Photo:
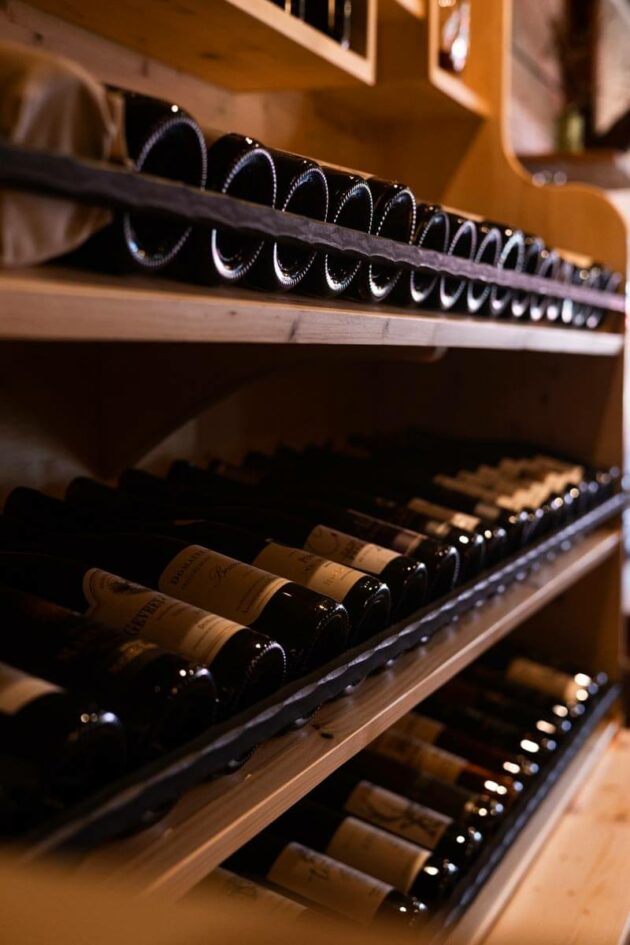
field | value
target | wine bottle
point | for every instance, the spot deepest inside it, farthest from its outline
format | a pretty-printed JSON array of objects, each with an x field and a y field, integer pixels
[
  {"x": 608, "y": 282},
  {"x": 532, "y": 255},
  {"x": 74, "y": 749},
  {"x": 399, "y": 815},
  {"x": 302, "y": 189},
  {"x": 553, "y": 682},
  {"x": 161, "y": 699},
  {"x": 487, "y": 252},
  {"x": 236, "y": 655},
  {"x": 539, "y": 304},
  {"x": 512, "y": 257},
  {"x": 463, "y": 244},
  {"x": 560, "y": 312},
  {"x": 332, "y": 17},
  {"x": 459, "y": 691},
  {"x": 481, "y": 811},
  {"x": 350, "y": 205},
  {"x": 394, "y": 218},
  {"x": 408, "y": 867},
  {"x": 420, "y": 727},
  {"x": 334, "y": 510},
  {"x": 430, "y": 759},
  {"x": 260, "y": 898},
  {"x": 495, "y": 538},
  {"x": 482, "y": 726},
  {"x": 325, "y": 881},
  {"x": 432, "y": 232},
  {"x": 243, "y": 168},
  {"x": 310, "y": 627},
  {"x": 494, "y": 679},
  {"x": 486, "y": 504}
]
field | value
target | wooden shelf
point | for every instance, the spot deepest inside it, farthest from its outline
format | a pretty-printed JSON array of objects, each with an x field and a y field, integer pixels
[
  {"x": 214, "y": 819},
  {"x": 55, "y": 304},
  {"x": 519, "y": 864},
  {"x": 243, "y": 45}
]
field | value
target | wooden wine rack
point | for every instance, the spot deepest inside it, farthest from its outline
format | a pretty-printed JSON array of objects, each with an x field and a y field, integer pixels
[{"x": 98, "y": 373}]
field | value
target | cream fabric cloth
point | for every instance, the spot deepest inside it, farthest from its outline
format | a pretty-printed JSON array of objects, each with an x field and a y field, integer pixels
[{"x": 49, "y": 102}]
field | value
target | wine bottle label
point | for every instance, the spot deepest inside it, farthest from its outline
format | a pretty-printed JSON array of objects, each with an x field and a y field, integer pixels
[
  {"x": 126, "y": 653},
  {"x": 546, "y": 679},
  {"x": 489, "y": 512},
  {"x": 402, "y": 540},
  {"x": 398, "y": 814},
  {"x": 392, "y": 859},
  {"x": 238, "y": 888},
  {"x": 438, "y": 530},
  {"x": 576, "y": 472},
  {"x": 347, "y": 550},
  {"x": 329, "y": 883},
  {"x": 156, "y": 618},
  {"x": 516, "y": 500},
  {"x": 538, "y": 491},
  {"x": 326, "y": 577},
  {"x": 17, "y": 689},
  {"x": 419, "y": 727},
  {"x": 459, "y": 519},
  {"x": 220, "y": 584},
  {"x": 421, "y": 756}
]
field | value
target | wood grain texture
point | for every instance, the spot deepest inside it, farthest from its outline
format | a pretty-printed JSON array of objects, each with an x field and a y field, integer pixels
[
  {"x": 214, "y": 819},
  {"x": 66, "y": 305}
]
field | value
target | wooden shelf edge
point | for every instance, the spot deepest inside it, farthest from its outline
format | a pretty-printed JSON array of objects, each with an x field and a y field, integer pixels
[
  {"x": 59, "y": 305},
  {"x": 498, "y": 889},
  {"x": 455, "y": 88},
  {"x": 214, "y": 819}
]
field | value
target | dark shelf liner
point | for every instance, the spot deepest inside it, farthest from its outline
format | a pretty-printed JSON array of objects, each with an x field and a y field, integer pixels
[
  {"x": 101, "y": 183},
  {"x": 120, "y": 805}
]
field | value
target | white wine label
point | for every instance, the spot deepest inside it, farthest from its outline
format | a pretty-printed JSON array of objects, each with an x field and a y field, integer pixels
[
  {"x": 555, "y": 683},
  {"x": 425, "y": 758},
  {"x": 576, "y": 472},
  {"x": 378, "y": 853},
  {"x": 220, "y": 584},
  {"x": 401, "y": 816},
  {"x": 348, "y": 550},
  {"x": 458, "y": 519},
  {"x": 154, "y": 617},
  {"x": 420, "y": 727},
  {"x": 246, "y": 892},
  {"x": 496, "y": 492},
  {"x": 321, "y": 879},
  {"x": 17, "y": 689},
  {"x": 326, "y": 577}
]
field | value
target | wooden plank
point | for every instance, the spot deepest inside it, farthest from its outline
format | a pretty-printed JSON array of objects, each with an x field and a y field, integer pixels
[
  {"x": 214, "y": 819},
  {"x": 51, "y": 304},
  {"x": 576, "y": 893},
  {"x": 538, "y": 835},
  {"x": 243, "y": 45}
]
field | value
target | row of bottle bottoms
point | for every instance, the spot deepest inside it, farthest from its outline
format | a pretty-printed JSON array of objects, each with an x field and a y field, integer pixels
[
  {"x": 164, "y": 605},
  {"x": 332, "y": 17},
  {"x": 390, "y": 834},
  {"x": 164, "y": 140}
]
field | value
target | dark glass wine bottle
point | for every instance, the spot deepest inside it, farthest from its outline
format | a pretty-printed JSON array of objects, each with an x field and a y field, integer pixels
[
  {"x": 241, "y": 167},
  {"x": 463, "y": 244},
  {"x": 72, "y": 748},
  {"x": 399, "y": 815},
  {"x": 566, "y": 687},
  {"x": 497, "y": 681},
  {"x": 511, "y": 258},
  {"x": 408, "y": 867},
  {"x": 395, "y": 219},
  {"x": 487, "y": 252},
  {"x": 302, "y": 189},
  {"x": 467, "y": 808},
  {"x": 256, "y": 897},
  {"x": 532, "y": 258},
  {"x": 332, "y": 17},
  {"x": 320, "y": 879},
  {"x": 310, "y": 627},
  {"x": 162, "y": 700},
  {"x": 236, "y": 654},
  {"x": 350, "y": 205},
  {"x": 548, "y": 268},
  {"x": 432, "y": 232}
]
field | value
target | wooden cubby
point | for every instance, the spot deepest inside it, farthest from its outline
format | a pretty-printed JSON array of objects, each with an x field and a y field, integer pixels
[{"x": 98, "y": 373}]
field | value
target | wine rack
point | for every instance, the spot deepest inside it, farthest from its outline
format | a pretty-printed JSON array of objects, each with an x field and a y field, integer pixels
[{"x": 100, "y": 372}]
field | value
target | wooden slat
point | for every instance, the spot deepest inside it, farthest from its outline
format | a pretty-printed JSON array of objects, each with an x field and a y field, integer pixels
[
  {"x": 214, "y": 819},
  {"x": 52, "y": 304},
  {"x": 240, "y": 44},
  {"x": 576, "y": 893}
]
